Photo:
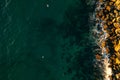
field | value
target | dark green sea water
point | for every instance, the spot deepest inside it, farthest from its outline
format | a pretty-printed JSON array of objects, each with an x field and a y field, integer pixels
[{"x": 45, "y": 43}]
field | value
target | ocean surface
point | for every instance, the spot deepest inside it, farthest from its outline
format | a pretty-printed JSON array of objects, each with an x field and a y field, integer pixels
[{"x": 45, "y": 40}]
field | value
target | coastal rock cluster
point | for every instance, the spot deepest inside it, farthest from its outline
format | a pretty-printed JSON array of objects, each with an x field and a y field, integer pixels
[{"x": 107, "y": 15}]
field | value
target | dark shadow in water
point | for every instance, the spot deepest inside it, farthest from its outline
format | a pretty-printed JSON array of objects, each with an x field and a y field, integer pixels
[{"x": 75, "y": 29}]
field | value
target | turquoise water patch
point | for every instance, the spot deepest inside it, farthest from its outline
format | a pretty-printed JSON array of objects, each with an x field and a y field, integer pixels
[{"x": 44, "y": 40}]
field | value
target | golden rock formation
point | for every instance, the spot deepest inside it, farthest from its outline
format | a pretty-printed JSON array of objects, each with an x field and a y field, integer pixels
[{"x": 110, "y": 15}]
